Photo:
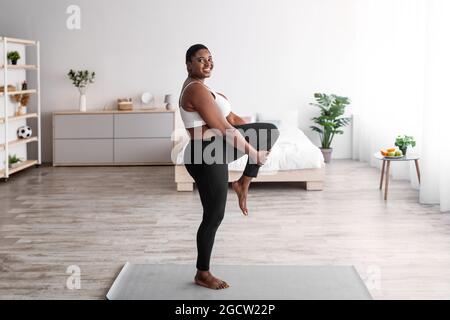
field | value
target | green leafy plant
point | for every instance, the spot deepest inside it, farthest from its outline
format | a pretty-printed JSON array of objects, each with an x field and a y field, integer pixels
[
  {"x": 81, "y": 78},
  {"x": 402, "y": 142},
  {"x": 13, "y": 159},
  {"x": 331, "y": 120},
  {"x": 13, "y": 55}
]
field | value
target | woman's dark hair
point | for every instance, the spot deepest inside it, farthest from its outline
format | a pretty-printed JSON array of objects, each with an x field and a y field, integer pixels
[{"x": 193, "y": 50}]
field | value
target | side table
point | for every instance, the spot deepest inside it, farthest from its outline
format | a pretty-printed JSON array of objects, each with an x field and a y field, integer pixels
[{"x": 387, "y": 164}]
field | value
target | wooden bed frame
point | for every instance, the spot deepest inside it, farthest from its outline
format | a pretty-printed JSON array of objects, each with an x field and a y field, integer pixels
[{"x": 314, "y": 178}]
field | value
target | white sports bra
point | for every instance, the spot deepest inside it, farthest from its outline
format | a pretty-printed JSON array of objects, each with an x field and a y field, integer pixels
[{"x": 193, "y": 119}]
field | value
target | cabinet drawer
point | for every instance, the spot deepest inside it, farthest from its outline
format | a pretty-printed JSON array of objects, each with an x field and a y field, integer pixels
[
  {"x": 84, "y": 151},
  {"x": 83, "y": 126},
  {"x": 142, "y": 150},
  {"x": 153, "y": 125}
]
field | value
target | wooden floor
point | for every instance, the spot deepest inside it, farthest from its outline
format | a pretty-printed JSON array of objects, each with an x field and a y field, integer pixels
[{"x": 97, "y": 218}]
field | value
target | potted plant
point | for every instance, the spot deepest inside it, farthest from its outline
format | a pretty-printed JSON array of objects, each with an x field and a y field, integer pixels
[
  {"x": 402, "y": 142},
  {"x": 81, "y": 79},
  {"x": 13, "y": 56},
  {"x": 14, "y": 161},
  {"x": 330, "y": 121}
]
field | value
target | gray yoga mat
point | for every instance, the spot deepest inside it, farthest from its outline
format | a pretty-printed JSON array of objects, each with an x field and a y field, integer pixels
[{"x": 247, "y": 282}]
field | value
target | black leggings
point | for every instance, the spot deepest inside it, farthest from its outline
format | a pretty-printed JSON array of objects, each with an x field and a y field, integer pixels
[{"x": 211, "y": 178}]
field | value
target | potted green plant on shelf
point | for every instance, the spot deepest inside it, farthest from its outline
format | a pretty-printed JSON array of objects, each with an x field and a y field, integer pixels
[
  {"x": 81, "y": 79},
  {"x": 14, "y": 161},
  {"x": 330, "y": 121},
  {"x": 402, "y": 142},
  {"x": 13, "y": 56}
]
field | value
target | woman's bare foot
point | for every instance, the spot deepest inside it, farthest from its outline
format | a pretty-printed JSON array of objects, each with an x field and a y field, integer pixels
[
  {"x": 206, "y": 279},
  {"x": 242, "y": 196},
  {"x": 241, "y": 189}
]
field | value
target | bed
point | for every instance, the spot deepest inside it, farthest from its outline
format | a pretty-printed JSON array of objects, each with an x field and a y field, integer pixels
[{"x": 293, "y": 158}]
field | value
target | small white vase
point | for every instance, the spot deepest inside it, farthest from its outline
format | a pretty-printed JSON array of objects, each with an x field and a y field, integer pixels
[
  {"x": 82, "y": 99},
  {"x": 21, "y": 110},
  {"x": 168, "y": 100}
]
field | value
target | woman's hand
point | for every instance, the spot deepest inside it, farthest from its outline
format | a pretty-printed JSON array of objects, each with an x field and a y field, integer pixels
[
  {"x": 260, "y": 157},
  {"x": 235, "y": 120}
]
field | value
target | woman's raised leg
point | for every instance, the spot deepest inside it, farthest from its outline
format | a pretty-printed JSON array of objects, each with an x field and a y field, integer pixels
[{"x": 262, "y": 136}]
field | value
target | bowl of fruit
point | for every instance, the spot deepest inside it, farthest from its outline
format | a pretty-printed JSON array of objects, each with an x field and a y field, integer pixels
[{"x": 392, "y": 153}]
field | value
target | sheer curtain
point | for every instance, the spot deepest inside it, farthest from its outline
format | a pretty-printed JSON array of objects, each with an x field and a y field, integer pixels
[
  {"x": 402, "y": 79},
  {"x": 435, "y": 186}
]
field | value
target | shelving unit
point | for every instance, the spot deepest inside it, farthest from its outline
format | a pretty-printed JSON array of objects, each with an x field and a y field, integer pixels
[
  {"x": 25, "y": 116},
  {"x": 17, "y": 142},
  {"x": 10, "y": 93},
  {"x": 22, "y": 66},
  {"x": 10, "y": 122},
  {"x": 25, "y": 164}
]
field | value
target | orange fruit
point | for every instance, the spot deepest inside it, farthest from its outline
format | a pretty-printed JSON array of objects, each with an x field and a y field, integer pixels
[
  {"x": 383, "y": 152},
  {"x": 391, "y": 149}
]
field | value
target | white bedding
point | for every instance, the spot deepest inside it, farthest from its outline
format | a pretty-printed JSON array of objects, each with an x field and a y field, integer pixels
[{"x": 293, "y": 150}]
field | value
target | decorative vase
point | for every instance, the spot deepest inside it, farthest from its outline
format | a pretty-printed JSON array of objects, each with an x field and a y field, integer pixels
[
  {"x": 168, "y": 99},
  {"x": 14, "y": 62},
  {"x": 326, "y": 154},
  {"x": 404, "y": 150},
  {"x": 82, "y": 99},
  {"x": 21, "y": 110}
]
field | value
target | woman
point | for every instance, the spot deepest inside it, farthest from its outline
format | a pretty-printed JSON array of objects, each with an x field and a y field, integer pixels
[{"x": 218, "y": 136}]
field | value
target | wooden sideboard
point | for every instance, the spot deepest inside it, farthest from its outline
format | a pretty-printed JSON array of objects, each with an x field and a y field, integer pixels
[{"x": 139, "y": 137}]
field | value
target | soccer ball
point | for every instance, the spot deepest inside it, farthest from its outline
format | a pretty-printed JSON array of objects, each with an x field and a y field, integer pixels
[{"x": 24, "y": 132}]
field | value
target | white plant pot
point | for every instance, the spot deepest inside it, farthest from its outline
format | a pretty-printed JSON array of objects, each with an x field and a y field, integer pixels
[
  {"x": 326, "y": 152},
  {"x": 83, "y": 103},
  {"x": 15, "y": 165},
  {"x": 82, "y": 99}
]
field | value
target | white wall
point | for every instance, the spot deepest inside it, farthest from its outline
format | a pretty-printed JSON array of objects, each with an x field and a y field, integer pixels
[{"x": 271, "y": 54}]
